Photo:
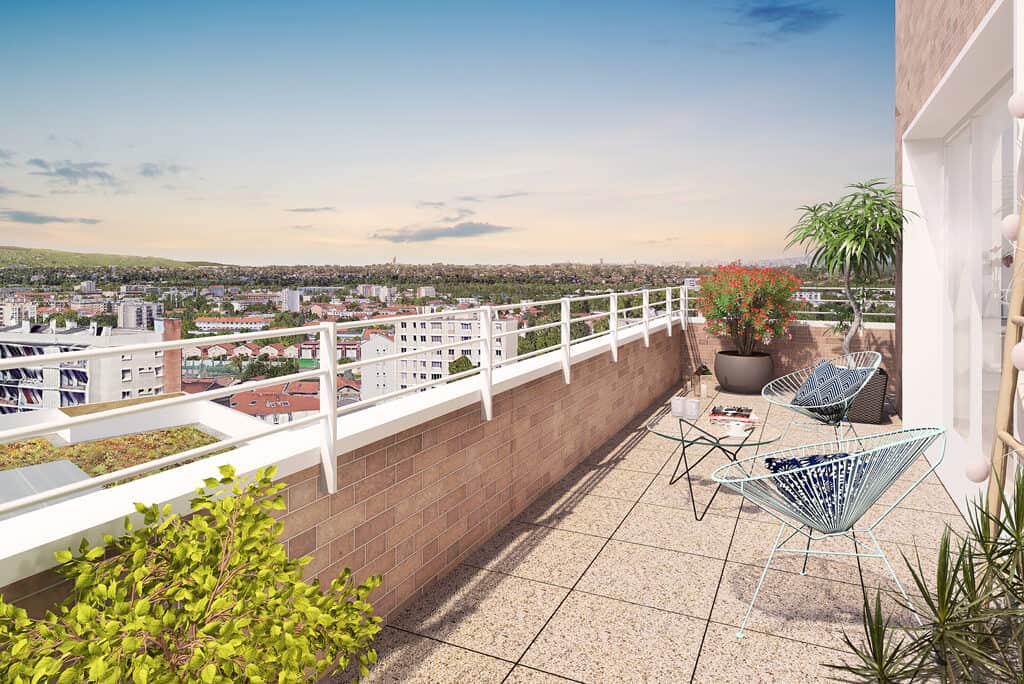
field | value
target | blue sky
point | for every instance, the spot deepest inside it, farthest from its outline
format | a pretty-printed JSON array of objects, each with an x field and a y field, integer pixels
[{"x": 449, "y": 131}]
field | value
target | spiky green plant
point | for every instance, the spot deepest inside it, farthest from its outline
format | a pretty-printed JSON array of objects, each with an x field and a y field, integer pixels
[
  {"x": 855, "y": 237},
  {"x": 972, "y": 609}
]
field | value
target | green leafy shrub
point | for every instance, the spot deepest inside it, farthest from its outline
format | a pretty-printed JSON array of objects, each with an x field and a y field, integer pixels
[
  {"x": 750, "y": 305},
  {"x": 973, "y": 611},
  {"x": 204, "y": 598}
]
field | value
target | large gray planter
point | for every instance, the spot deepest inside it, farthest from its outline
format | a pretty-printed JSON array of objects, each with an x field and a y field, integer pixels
[{"x": 743, "y": 374}]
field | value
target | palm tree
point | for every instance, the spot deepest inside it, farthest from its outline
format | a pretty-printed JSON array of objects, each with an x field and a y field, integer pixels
[{"x": 855, "y": 238}]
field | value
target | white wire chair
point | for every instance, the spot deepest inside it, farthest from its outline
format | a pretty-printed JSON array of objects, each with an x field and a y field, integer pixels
[
  {"x": 827, "y": 488},
  {"x": 832, "y": 411}
]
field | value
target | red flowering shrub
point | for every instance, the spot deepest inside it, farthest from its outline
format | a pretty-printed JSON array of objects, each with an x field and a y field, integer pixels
[{"x": 750, "y": 305}]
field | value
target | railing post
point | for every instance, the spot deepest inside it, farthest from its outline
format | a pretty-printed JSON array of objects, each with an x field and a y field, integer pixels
[
  {"x": 486, "y": 362},
  {"x": 684, "y": 303},
  {"x": 613, "y": 325},
  {"x": 668, "y": 310},
  {"x": 566, "y": 364},
  {"x": 645, "y": 310},
  {"x": 329, "y": 405}
]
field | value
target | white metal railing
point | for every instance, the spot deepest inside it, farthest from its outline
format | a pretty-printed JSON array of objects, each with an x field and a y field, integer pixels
[
  {"x": 618, "y": 319},
  {"x": 873, "y": 302}
]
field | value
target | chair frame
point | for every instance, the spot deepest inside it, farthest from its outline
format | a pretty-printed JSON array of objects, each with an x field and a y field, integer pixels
[
  {"x": 796, "y": 529},
  {"x": 782, "y": 391}
]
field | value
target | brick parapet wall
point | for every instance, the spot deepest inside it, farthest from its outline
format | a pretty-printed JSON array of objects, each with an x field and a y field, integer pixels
[
  {"x": 416, "y": 504},
  {"x": 412, "y": 506},
  {"x": 805, "y": 346}
]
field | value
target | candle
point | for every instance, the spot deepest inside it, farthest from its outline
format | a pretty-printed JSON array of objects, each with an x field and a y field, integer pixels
[
  {"x": 691, "y": 409},
  {"x": 678, "y": 409}
]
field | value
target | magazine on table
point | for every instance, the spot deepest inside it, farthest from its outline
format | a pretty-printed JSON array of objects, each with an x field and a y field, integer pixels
[{"x": 733, "y": 414}]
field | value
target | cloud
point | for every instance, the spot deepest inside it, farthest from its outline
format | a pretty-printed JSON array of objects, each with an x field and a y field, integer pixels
[
  {"x": 6, "y": 156},
  {"x": 305, "y": 226},
  {"x": 71, "y": 173},
  {"x": 780, "y": 20},
  {"x": 14, "y": 193},
  {"x": 311, "y": 210},
  {"x": 430, "y": 205},
  {"x": 158, "y": 169},
  {"x": 510, "y": 195},
  {"x": 460, "y": 214},
  {"x": 467, "y": 229},
  {"x": 468, "y": 198},
  {"x": 16, "y": 216}
]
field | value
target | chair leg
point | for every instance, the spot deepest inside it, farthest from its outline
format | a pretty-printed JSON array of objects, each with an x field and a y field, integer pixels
[
  {"x": 899, "y": 585},
  {"x": 807, "y": 553},
  {"x": 764, "y": 573}
]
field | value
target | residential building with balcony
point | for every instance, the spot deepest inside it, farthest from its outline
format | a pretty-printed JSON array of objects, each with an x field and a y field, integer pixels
[
  {"x": 57, "y": 385},
  {"x": 232, "y": 323}
]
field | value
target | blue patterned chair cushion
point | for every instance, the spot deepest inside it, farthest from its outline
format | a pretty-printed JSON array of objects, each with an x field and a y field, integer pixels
[
  {"x": 819, "y": 494},
  {"x": 830, "y": 386}
]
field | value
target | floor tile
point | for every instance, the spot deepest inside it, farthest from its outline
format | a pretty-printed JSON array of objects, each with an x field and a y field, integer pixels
[
  {"x": 481, "y": 610},
  {"x": 413, "y": 659},
  {"x": 724, "y": 659},
  {"x": 806, "y": 609},
  {"x": 753, "y": 540},
  {"x": 575, "y": 512},
  {"x": 675, "y": 529},
  {"x": 526, "y": 675},
  {"x": 595, "y": 639},
  {"x": 910, "y": 527},
  {"x": 605, "y": 481},
  {"x": 538, "y": 553},
  {"x": 677, "y": 495},
  {"x": 626, "y": 456},
  {"x": 658, "y": 578}
]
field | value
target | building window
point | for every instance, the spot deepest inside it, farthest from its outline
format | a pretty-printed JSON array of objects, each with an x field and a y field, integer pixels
[
  {"x": 451, "y": 352},
  {"x": 435, "y": 376},
  {"x": 403, "y": 325},
  {"x": 126, "y": 357},
  {"x": 126, "y": 394},
  {"x": 126, "y": 375},
  {"x": 435, "y": 364},
  {"x": 467, "y": 326}
]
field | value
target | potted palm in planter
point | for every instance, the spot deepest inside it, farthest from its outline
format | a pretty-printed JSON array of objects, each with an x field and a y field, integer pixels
[
  {"x": 751, "y": 306},
  {"x": 855, "y": 238}
]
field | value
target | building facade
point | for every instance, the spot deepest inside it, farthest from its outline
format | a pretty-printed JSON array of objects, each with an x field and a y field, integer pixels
[
  {"x": 110, "y": 378},
  {"x": 957, "y": 64},
  {"x": 137, "y": 314}
]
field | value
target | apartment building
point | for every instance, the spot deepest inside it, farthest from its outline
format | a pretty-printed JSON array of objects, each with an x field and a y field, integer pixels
[
  {"x": 233, "y": 323},
  {"x": 111, "y": 378},
  {"x": 460, "y": 331},
  {"x": 16, "y": 312},
  {"x": 137, "y": 314},
  {"x": 378, "y": 378},
  {"x": 290, "y": 300}
]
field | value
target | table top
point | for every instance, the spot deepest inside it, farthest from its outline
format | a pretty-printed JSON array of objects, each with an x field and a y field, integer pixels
[{"x": 703, "y": 431}]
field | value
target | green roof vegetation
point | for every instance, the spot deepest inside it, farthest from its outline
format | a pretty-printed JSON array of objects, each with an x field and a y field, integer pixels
[{"x": 105, "y": 455}]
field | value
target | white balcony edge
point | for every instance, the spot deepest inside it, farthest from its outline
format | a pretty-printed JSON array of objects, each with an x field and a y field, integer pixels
[{"x": 29, "y": 540}]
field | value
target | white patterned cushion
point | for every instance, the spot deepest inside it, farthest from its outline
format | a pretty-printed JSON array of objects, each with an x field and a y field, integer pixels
[{"x": 829, "y": 384}]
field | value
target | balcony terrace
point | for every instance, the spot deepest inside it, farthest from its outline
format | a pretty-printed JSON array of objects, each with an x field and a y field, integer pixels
[
  {"x": 521, "y": 516},
  {"x": 607, "y": 576}
]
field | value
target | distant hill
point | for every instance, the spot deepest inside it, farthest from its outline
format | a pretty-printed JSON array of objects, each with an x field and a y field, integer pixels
[{"x": 54, "y": 258}]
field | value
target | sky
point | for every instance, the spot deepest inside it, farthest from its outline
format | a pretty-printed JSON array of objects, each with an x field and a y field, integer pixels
[{"x": 459, "y": 132}]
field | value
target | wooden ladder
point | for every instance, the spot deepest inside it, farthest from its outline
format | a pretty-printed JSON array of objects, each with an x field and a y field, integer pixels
[{"x": 1004, "y": 437}]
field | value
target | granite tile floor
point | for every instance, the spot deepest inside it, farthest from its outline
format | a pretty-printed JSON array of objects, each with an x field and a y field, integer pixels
[{"x": 607, "y": 577}]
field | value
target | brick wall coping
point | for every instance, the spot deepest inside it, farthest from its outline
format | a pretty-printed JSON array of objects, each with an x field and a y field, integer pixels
[{"x": 29, "y": 540}]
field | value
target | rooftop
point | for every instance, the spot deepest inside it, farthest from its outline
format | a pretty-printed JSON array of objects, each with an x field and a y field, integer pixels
[{"x": 608, "y": 577}]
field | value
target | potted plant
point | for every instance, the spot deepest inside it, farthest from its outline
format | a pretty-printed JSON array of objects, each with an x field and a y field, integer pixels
[
  {"x": 855, "y": 238},
  {"x": 752, "y": 306}
]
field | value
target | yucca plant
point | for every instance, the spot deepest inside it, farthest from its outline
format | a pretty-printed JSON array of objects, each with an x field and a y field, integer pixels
[
  {"x": 855, "y": 237},
  {"x": 972, "y": 610}
]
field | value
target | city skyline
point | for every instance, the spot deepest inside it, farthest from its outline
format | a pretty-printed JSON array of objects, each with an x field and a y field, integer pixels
[{"x": 458, "y": 133}]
